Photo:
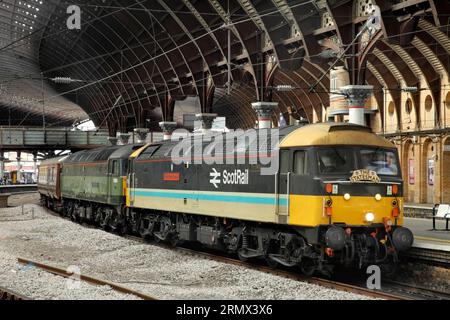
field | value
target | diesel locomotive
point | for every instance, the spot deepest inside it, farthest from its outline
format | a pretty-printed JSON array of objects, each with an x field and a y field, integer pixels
[{"x": 335, "y": 198}]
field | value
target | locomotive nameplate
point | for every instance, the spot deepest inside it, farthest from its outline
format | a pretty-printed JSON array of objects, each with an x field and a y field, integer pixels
[
  {"x": 172, "y": 176},
  {"x": 365, "y": 175}
]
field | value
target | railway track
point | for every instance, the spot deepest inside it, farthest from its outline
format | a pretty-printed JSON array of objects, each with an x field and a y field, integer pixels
[
  {"x": 279, "y": 272},
  {"x": 414, "y": 292},
  {"x": 438, "y": 258},
  {"x": 85, "y": 278},
  {"x": 391, "y": 290},
  {"x": 9, "y": 295}
]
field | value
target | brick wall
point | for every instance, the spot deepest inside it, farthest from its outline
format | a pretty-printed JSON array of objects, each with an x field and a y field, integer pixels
[{"x": 429, "y": 185}]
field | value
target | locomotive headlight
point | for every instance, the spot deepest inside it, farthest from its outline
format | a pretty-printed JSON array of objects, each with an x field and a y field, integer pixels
[
  {"x": 378, "y": 197},
  {"x": 347, "y": 196},
  {"x": 370, "y": 217}
]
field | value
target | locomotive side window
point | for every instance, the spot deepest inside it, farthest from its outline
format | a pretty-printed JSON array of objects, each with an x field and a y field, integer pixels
[
  {"x": 300, "y": 163},
  {"x": 284, "y": 161}
]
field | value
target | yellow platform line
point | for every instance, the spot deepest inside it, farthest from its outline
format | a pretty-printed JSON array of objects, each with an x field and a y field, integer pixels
[{"x": 431, "y": 239}]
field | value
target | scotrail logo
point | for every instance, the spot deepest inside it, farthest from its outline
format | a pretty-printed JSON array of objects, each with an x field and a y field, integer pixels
[
  {"x": 236, "y": 177},
  {"x": 215, "y": 178}
]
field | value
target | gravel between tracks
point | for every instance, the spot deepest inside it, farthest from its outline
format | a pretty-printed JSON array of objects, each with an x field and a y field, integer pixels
[{"x": 159, "y": 272}]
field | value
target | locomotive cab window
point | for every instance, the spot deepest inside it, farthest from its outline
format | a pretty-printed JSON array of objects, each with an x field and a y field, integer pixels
[
  {"x": 115, "y": 168},
  {"x": 284, "y": 161},
  {"x": 300, "y": 163},
  {"x": 383, "y": 162},
  {"x": 336, "y": 160}
]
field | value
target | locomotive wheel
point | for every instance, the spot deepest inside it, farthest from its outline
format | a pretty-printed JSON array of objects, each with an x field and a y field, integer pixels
[
  {"x": 73, "y": 216},
  {"x": 147, "y": 237},
  {"x": 174, "y": 241},
  {"x": 389, "y": 269},
  {"x": 104, "y": 223},
  {"x": 123, "y": 229},
  {"x": 242, "y": 257},
  {"x": 157, "y": 240},
  {"x": 114, "y": 222},
  {"x": 308, "y": 266},
  {"x": 271, "y": 263},
  {"x": 146, "y": 232}
]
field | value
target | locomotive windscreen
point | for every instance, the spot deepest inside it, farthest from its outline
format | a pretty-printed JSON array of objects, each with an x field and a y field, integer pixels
[{"x": 344, "y": 160}]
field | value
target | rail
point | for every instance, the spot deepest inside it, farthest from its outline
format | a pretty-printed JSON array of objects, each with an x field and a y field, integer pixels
[
  {"x": 429, "y": 256},
  {"x": 88, "y": 279},
  {"x": 8, "y": 295},
  {"x": 341, "y": 286}
]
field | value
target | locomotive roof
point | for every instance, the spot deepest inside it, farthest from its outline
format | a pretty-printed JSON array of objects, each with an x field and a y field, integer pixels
[
  {"x": 125, "y": 151},
  {"x": 52, "y": 161},
  {"x": 291, "y": 136},
  {"x": 162, "y": 149},
  {"x": 334, "y": 134},
  {"x": 101, "y": 154}
]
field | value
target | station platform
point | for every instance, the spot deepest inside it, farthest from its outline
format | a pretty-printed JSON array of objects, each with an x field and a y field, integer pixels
[{"x": 425, "y": 237}]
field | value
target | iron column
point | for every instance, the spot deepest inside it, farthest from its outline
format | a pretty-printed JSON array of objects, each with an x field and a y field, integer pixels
[{"x": 356, "y": 98}]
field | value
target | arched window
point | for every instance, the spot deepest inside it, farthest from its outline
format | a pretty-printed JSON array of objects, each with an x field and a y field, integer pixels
[
  {"x": 408, "y": 106},
  {"x": 447, "y": 101},
  {"x": 391, "y": 108},
  {"x": 428, "y": 103}
]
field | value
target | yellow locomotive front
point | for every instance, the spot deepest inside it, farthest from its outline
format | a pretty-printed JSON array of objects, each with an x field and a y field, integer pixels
[{"x": 346, "y": 182}]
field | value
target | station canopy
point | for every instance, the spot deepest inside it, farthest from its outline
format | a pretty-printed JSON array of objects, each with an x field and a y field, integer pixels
[{"x": 136, "y": 63}]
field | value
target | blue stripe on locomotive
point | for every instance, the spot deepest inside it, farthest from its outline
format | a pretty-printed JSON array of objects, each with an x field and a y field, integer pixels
[{"x": 211, "y": 197}]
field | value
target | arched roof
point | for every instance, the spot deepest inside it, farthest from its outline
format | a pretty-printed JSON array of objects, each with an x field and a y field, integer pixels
[{"x": 135, "y": 59}]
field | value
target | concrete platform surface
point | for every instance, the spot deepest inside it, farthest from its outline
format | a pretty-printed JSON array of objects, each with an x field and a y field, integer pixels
[{"x": 425, "y": 237}]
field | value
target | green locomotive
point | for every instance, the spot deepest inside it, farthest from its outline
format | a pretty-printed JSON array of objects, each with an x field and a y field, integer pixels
[{"x": 92, "y": 185}]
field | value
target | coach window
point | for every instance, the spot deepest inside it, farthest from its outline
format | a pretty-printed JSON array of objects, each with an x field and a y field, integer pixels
[
  {"x": 300, "y": 163},
  {"x": 284, "y": 161}
]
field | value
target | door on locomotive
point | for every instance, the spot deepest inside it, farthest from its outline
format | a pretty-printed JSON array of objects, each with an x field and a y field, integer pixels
[
  {"x": 294, "y": 177},
  {"x": 114, "y": 179},
  {"x": 130, "y": 182},
  {"x": 283, "y": 183}
]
